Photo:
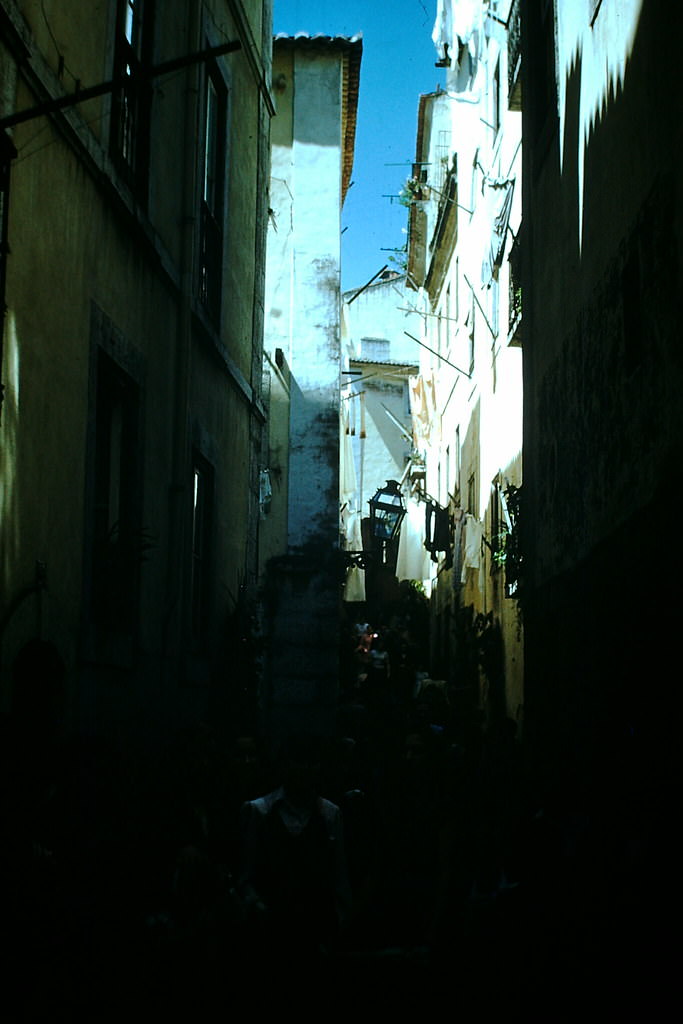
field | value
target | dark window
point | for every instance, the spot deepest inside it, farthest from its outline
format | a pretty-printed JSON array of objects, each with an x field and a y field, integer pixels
[
  {"x": 202, "y": 504},
  {"x": 132, "y": 97},
  {"x": 7, "y": 154},
  {"x": 495, "y": 114},
  {"x": 457, "y": 459},
  {"x": 494, "y": 306},
  {"x": 472, "y": 496},
  {"x": 213, "y": 192},
  {"x": 540, "y": 17},
  {"x": 118, "y": 543},
  {"x": 497, "y": 537},
  {"x": 515, "y": 291}
]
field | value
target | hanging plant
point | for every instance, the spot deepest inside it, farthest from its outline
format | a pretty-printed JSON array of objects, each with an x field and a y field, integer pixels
[{"x": 414, "y": 191}]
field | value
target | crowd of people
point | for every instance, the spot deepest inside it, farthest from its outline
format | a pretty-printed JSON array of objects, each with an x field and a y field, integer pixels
[{"x": 412, "y": 853}]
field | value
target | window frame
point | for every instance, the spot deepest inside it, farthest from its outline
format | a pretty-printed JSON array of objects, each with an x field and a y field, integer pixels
[
  {"x": 213, "y": 196},
  {"x": 131, "y": 101},
  {"x": 117, "y": 538},
  {"x": 201, "y": 545}
]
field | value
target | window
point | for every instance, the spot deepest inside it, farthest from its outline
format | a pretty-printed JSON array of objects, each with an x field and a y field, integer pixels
[
  {"x": 497, "y": 536},
  {"x": 118, "y": 542},
  {"x": 213, "y": 192},
  {"x": 472, "y": 502},
  {"x": 457, "y": 459},
  {"x": 493, "y": 306},
  {"x": 406, "y": 399},
  {"x": 495, "y": 106},
  {"x": 515, "y": 292},
  {"x": 543, "y": 77},
  {"x": 7, "y": 154},
  {"x": 132, "y": 97},
  {"x": 443, "y": 148},
  {"x": 494, "y": 298},
  {"x": 202, "y": 506}
]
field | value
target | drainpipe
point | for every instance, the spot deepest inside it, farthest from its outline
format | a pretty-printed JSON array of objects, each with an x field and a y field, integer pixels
[{"x": 178, "y": 498}]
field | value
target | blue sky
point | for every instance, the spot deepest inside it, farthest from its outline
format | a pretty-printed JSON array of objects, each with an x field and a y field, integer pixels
[{"x": 397, "y": 65}]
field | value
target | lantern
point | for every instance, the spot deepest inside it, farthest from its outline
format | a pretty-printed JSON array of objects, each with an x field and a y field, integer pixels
[{"x": 386, "y": 512}]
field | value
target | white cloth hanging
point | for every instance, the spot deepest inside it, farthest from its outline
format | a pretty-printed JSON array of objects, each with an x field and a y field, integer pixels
[
  {"x": 413, "y": 561},
  {"x": 474, "y": 532},
  {"x": 354, "y": 585}
]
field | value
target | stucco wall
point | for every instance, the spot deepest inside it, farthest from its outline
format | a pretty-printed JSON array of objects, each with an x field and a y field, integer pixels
[
  {"x": 86, "y": 251},
  {"x": 603, "y": 372},
  {"x": 303, "y": 319}
]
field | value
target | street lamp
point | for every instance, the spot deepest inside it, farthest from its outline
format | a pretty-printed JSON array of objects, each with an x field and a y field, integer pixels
[{"x": 386, "y": 512}]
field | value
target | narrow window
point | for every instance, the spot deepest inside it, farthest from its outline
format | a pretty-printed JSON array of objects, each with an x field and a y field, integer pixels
[
  {"x": 118, "y": 546},
  {"x": 442, "y": 154},
  {"x": 200, "y": 584},
  {"x": 494, "y": 304},
  {"x": 495, "y": 113},
  {"x": 132, "y": 96},
  {"x": 515, "y": 292},
  {"x": 457, "y": 459},
  {"x": 472, "y": 503},
  {"x": 213, "y": 191},
  {"x": 496, "y": 531}
]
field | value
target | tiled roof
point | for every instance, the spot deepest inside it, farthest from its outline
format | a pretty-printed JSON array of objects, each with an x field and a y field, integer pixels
[{"x": 320, "y": 37}]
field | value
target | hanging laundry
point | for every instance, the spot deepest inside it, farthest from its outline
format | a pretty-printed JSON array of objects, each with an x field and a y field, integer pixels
[
  {"x": 413, "y": 562},
  {"x": 265, "y": 492},
  {"x": 354, "y": 586},
  {"x": 473, "y": 541},
  {"x": 500, "y": 206},
  {"x": 422, "y": 393},
  {"x": 458, "y": 548},
  {"x": 442, "y": 33},
  {"x": 437, "y": 531}
]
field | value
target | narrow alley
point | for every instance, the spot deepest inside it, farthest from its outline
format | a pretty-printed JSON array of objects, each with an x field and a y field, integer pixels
[
  {"x": 468, "y": 881},
  {"x": 340, "y": 584}
]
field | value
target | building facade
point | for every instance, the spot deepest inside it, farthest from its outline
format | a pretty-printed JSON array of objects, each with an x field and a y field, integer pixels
[
  {"x": 464, "y": 198},
  {"x": 603, "y": 417},
  {"x": 135, "y": 209},
  {"x": 381, "y": 354},
  {"x": 316, "y": 81}
]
